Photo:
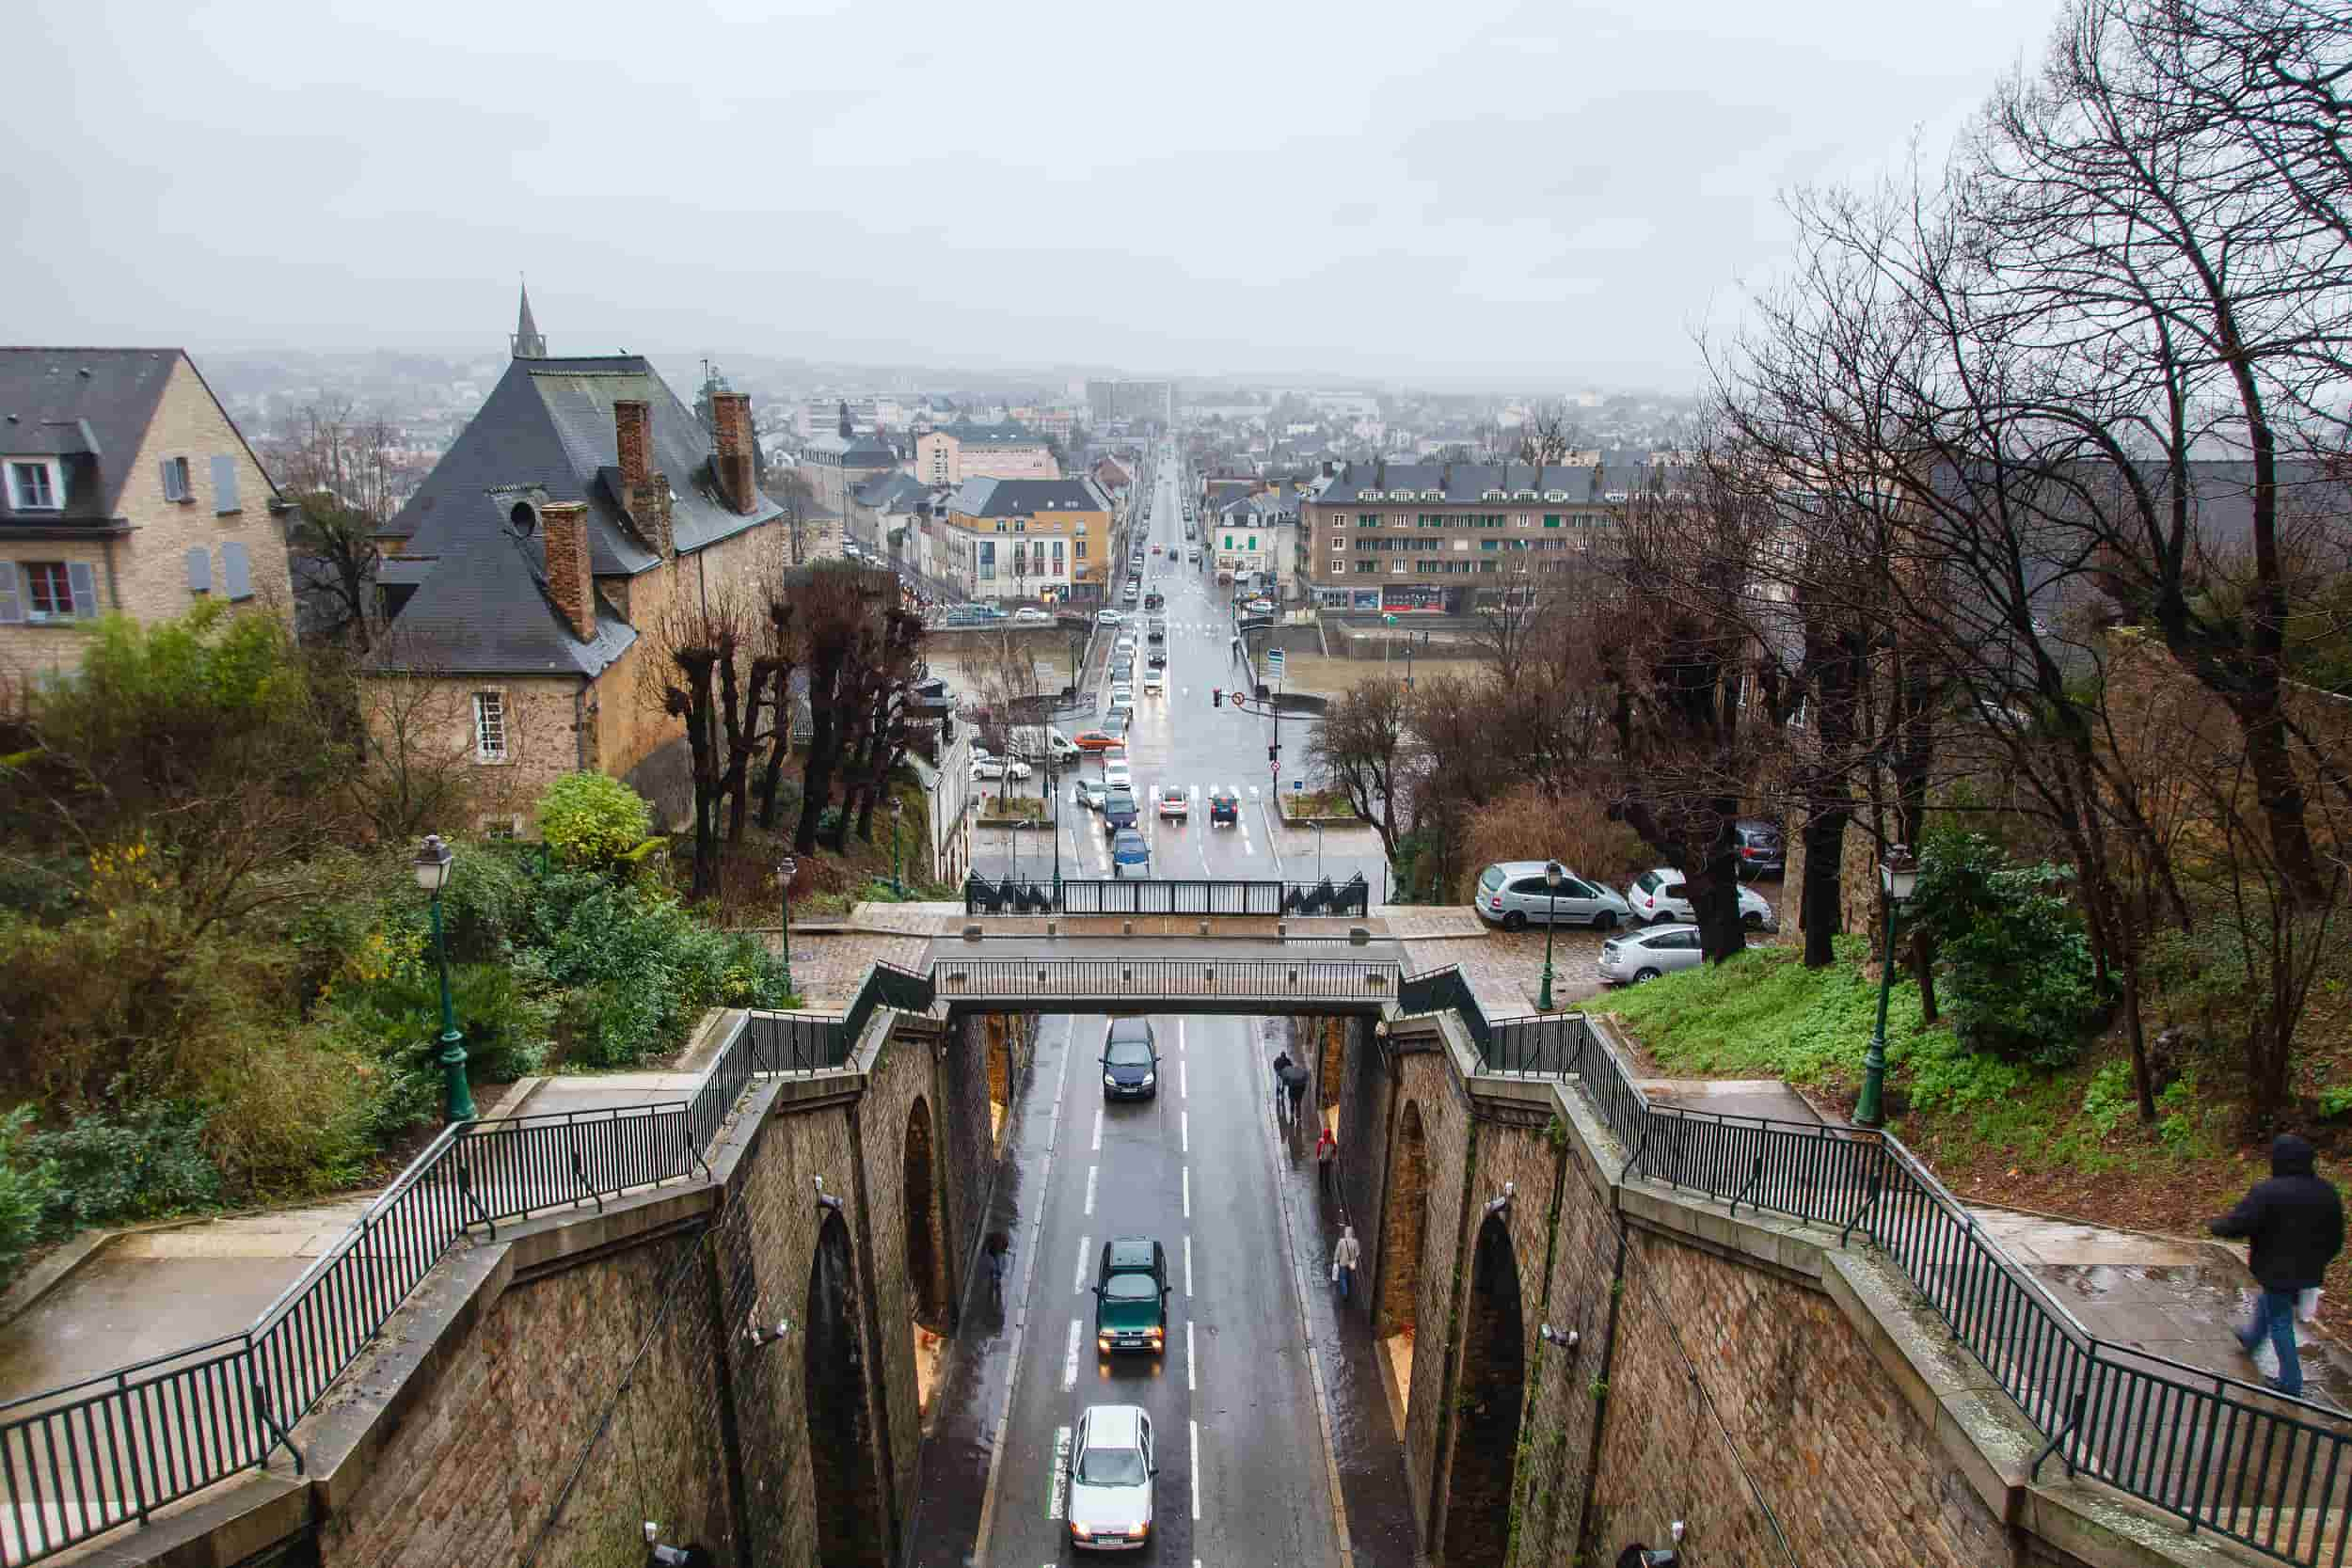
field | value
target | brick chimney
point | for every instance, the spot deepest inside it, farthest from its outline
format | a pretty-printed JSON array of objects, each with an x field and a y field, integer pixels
[
  {"x": 564, "y": 525},
  {"x": 646, "y": 492},
  {"x": 732, "y": 413}
]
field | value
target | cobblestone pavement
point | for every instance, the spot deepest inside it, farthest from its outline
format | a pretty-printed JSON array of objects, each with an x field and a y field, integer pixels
[{"x": 829, "y": 966}]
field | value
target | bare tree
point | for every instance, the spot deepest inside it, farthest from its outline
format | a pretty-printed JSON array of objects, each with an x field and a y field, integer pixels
[
  {"x": 336, "y": 465},
  {"x": 1366, "y": 748},
  {"x": 416, "y": 771},
  {"x": 708, "y": 672}
]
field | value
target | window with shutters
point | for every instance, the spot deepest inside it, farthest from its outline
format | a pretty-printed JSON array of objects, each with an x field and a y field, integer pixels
[
  {"x": 176, "y": 485},
  {"x": 237, "y": 572},
  {"x": 225, "y": 485},
  {"x": 48, "y": 588},
  {"x": 490, "y": 726},
  {"x": 199, "y": 570},
  {"x": 36, "y": 484}
]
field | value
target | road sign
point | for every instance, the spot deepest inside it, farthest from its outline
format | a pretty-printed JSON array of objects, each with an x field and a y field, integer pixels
[
  {"x": 1274, "y": 663},
  {"x": 1299, "y": 786}
]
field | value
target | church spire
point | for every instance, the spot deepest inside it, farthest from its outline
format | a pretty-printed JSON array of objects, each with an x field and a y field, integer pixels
[{"x": 529, "y": 342}]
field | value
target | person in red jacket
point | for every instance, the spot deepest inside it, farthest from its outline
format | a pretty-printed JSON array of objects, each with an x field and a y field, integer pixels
[{"x": 2295, "y": 1223}]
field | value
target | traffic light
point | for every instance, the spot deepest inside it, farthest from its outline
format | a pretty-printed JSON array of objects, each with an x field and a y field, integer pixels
[
  {"x": 1274, "y": 753},
  {"x": 1216, "y": 696}
]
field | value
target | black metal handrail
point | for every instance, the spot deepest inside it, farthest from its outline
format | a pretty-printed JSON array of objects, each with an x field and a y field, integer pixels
[
  {"x": 1287, "y": 979},
  {"x": 1167, "y": 896}
]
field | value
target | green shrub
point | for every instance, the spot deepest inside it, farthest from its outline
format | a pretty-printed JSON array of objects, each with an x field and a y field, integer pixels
[
  {"x": 147, "y": 1167},
  {"x": 640, "y": 969},
  {"x": 2111, "y": 1101},
  {"x": 593, "y": 818},
  {"x": 26, "y": 1185},
  {"x": 2021, "y": 979}
]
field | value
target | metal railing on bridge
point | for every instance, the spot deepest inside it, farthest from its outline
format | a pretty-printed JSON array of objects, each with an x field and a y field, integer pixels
[
  {"x": 2219, "y": 1454},
  {"x": 1168, "y": 895},
  {"x": 1139, "y": 982}
]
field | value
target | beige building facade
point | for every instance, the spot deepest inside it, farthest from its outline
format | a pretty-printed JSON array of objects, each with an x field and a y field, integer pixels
[{"x": 954, "y": 454}]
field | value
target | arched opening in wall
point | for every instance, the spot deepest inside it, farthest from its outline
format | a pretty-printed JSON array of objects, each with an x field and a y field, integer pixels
[
  {"x": 927, "y": 1253},
  {"x": 1402, "y": 1231},
  {"x": 997, "y": 1029},
  {"x": 1329, "y": 1070},
  {"x": 840, "y": 1441},
  {"x": 1485, "y": 1471}
]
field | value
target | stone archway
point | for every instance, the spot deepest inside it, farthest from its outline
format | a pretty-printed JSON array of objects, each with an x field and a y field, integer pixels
[
  {"x": 1489, "y": 1394},
  {"x": 840, "y": 1440},
  {"x": 927, "y": 1296},
  {"x": 1404, "y": 1232}
]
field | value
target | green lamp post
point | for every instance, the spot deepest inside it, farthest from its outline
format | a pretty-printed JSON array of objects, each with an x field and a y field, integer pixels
[
  {"x": 431, "y": 865},
  {"x": 898, "y": 815},
  {"x": 1553, "y": 871},
  {"x": 1898, "y": 874},
  {"x": 786, "y": 869}
]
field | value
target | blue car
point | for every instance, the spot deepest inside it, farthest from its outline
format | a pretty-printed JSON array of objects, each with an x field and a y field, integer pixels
[
  {"x": 1129, "y": 856},
  {"x": 1119, "y": 810}
]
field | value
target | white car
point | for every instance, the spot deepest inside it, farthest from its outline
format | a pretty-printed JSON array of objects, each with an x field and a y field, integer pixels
[
  {"x": 997, "y": 768},
  {"x": 1155, "y": 685},
  {"x": 1126, "y": 644},
  {"x": 1639, "y": 955},
  {"x": 1172, "y": 802},
  {"x": 1032, "y": 616},
  {"x": 1259, "y": 607},
  {"x": 1111, "y": 618},
  {"x": 1111, "y": 1466},
  {"x": 1657, "y": 898},
  {"x": 1116, "y": 775}
]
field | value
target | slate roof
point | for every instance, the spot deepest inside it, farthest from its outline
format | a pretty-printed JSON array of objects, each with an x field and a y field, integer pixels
[
  {"x": 548, "y": 422},
  {"x": 1026, "y": 498},
  {"x": 894, "y": 491},
  {"x": 484, "y": 609},
  {"x": 89, "y": 407},
  {"x": 1469, "y": 482},
  {"x": 1006, "y": 434},
  {"x": 855, "y": 452}
]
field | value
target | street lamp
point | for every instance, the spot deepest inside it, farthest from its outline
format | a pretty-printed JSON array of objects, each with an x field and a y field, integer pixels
[
  {"x": 1553, "y": 871},
  {"x": 1318, "y": 828},
  {"x": 898, "y": 815},
  {"x": 431, "y": 865},
  {"x": 786, "y": 869},
  {"x": 1898, "y": 874}
]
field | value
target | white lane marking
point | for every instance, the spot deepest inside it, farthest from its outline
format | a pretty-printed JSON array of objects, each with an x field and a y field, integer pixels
[
  {"x": 1098, "y": 1128},
  {"x": 1187, "y": 1192},
  {"x": 1061, "y": 1473},
  {"x": 1069, "y": 1360},
  {"x": 1189, "y": 1359},
  {"x": 1184, "y": 1122},
  {"x": 1086, "y": 1247},
  {"x": 1180, "y": 1037},
  {"x": 1187, "y": 1270},
  {"x": 1090, "y": 1174},
  {"x": 1196, "y": 1472},
  {"x": 1184, "y": 1080}
]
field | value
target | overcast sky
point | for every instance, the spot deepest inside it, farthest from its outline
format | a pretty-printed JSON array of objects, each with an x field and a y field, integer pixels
[{"x": 1538, "y": 195}]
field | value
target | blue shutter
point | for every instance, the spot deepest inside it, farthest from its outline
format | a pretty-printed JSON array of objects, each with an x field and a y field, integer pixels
[
  {"x": 235, "y": 575},
  {"x": 199, "y": 570},
  {"x": 11, "y": 605},
  {"x": 84, "y": 583},
  {"x": 225, "y": 484}
]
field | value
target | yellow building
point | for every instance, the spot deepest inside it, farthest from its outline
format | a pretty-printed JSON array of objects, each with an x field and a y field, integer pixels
[{"x": 1047, "y": 539}]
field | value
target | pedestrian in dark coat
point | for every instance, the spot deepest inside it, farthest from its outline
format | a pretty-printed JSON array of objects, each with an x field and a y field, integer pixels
[{"x": 2295, "y": 1223}]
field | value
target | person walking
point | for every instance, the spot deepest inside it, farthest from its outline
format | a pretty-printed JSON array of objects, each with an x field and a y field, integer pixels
[
  {"x": 1282, "y": 1086},
  {"x": 1345, "y": 1256},
  {"x": 998, "y": 1246},
  {"x": 1326, "y": 1152},
  {"x": 2295, "y": 1223}
]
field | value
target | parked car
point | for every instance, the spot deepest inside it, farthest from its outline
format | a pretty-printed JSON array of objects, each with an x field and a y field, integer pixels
[
  {"x": 1122, "y": 694},
  {"x": 1639, "y": 955},
  {"x": 1155, "y": 681},
  {"x": 1117, "y": 724},
  {"x": 1224, "y": 808},
  {"x": 1119, "y": 807},
  {"x": 1087, "y": 793},
  {"x": 1130, "y": 1287},
  {"x": 1123, "y": 668},
  {"x": 1510, "y": 893},
  {"x": 1094, "y": 740},
  {"x": 1130, "y": 592},
  {"x": 1173, "y": 799},
  {"x": 1193, "y": 555},
  {"x": 1760, "y": 850},
  {"x": 1657, "y": 896},
  {"x": 1109, "y": 618},
  {"x": 1029, "y": 616},
  {"x": 1131, "y": 858},
  {"x": 1259, "y": 607},
  {"x": 1111, "y": 1466},
  {"x": 1120, "y": 705},
  {"x": 1114, "y": 772},
  {"x": 1131, "y": 1057},
  {"x": 986, "y": 767}
]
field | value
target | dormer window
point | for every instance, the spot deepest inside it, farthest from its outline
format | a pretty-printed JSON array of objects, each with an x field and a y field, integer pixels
[
  {"x": 1523, "y": 495},
  {"x": 1555, "y": 495},
  {"x": 36, "y": 484},
  {"x": 1490, "y": 495},
  {"x": 1433, "y": 495}
]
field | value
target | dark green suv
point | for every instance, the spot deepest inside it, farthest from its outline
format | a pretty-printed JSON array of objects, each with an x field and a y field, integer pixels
[{"x": 1131, "y": 1296}]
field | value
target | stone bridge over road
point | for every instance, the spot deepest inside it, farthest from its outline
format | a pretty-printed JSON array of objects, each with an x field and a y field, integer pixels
[{"x": 719, "y": 1302}]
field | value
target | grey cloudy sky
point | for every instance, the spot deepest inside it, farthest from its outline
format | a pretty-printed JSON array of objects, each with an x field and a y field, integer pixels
[{"x": 1537, "y": 193}]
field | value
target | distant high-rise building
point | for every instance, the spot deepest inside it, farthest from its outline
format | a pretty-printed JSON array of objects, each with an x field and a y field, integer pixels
[{"x": 1108, "y": 401}]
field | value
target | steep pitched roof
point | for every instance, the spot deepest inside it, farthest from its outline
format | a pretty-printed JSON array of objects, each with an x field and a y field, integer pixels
[
  {"x": 1025, "y": 498},
  {"x": 484, "y": 609},
  {"x": 548, "y": 422},
  {"x": 894, "y": 491},
  {"x": 90, "y": 408}
]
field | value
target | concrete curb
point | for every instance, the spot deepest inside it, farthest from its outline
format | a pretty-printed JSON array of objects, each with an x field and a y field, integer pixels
[{"x": 53, "y": 1271}]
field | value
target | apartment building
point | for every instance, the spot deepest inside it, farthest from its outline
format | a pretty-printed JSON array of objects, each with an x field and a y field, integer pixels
[
  {"x": 1445, "y": 538},
  {"x": 953, "y": 454},
  {"x": 1115, "y": 401},
  {"x": 1026, "y": 539}
]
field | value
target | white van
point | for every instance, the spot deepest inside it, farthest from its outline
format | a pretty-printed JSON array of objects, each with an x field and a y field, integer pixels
[{"x": 1039, "y": 741}]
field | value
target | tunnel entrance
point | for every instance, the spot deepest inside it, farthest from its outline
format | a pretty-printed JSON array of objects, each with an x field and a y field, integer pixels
[
  {"x": 927, "y": 1296},
  {"x": 1402, "y": 1232},
  {"x": 840, "y": 1445},
  {"x": 1485, "y": 1470}
]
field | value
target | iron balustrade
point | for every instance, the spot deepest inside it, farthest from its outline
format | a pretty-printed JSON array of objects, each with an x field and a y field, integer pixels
[
  {"x": 961, "y": 980},
  {"x": 1167, "y": 896}
]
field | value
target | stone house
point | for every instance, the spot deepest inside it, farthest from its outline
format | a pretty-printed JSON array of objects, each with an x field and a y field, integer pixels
[
  {"x": 526, "y": 582},
  {"x": 125, "y": 487},
  {"x": 838, "y": 463}
]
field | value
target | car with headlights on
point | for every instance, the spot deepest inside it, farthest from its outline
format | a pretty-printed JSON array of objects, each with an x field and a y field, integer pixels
[
  {"x": 1110, "y": 1491},
  {"x": 1130, "y": 1058},
  {"x": 1119, "y": 808},
  {"x": 1131, "y": 1292},
  {"x": 1645, "y": 954},
  {"x": 1088, "y": 793}
]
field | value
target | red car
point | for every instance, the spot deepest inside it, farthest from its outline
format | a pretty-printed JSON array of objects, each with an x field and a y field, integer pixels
[{"x": 1094, "y": 740}]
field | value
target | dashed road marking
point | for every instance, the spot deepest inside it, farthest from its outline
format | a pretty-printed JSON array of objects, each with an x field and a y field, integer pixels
[
  {"x": 1091, "y": 1171},
  {"x": 1086, "y": 1247},
  {"x": 1187, "y": 1270},
  {"x": 1061, "y": 1473},
  {"x": 1196, "y": 1472},
  {"x": 1183, "y": 1123},
  {"x": 1187, "y": 1192},
  {"x": 1069, "y": 1360},
  {"x": 1184, "y": 1080},
  {"x": 1098, "y": 1128},
  {"x": 1189, "y": 1359}
]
